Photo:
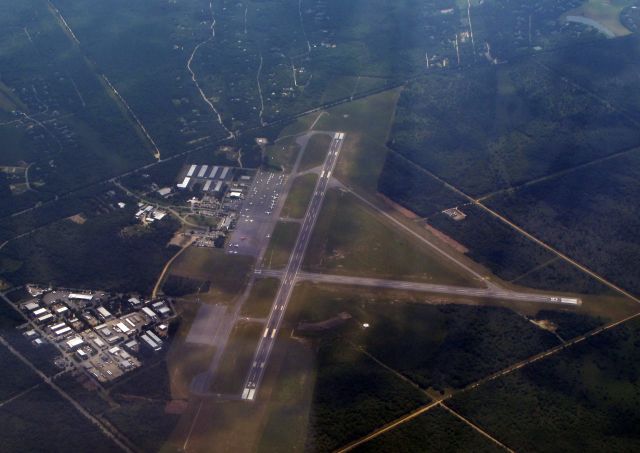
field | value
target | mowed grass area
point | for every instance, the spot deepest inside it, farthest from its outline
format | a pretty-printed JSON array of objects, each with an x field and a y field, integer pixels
[
  {"x": 582, "y": 399},
  {"x": 605, "y": 12},
  {"x": 298, "y": 198},
  {"x": 366, "y": 122},
  {"x": 226, "y": 273},
  {"x": 439, "y": 346},
  {"x": 351, "y": 239},
  {"x": 315, "y": 152},
  {"x": 261, "y": 298},
  {"x": 237, "y": 357},
  {"x": 436, "y": 430},
  {"x": 291, "y": 395},
  {"x": 282, "y": 241}
]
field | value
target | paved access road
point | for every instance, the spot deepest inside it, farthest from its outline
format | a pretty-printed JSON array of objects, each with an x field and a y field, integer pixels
[
  {"x": 288, "y": 278},
  {"x": 492, "y": 292}
]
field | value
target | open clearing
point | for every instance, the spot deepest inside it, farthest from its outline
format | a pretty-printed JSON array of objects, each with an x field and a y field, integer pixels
[
  {"x": 352, "y": 239},
  {"x": 261, "y": 298},
  {"x": 315, "y": 151},
  {"x": 282, "y": 241},
  {"x": 298, "y": 198},
  {"x": 603, "y": 12},
  {"x": 226, "y": 273}
]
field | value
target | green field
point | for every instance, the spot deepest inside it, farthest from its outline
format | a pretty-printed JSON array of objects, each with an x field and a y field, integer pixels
[
  {"x": 227, "y": 274},
  {"x": 281, "y": 244},
  {"x": 290, "y": 399},
  {"x": 351, "y": 239},
  {"x": 367, "y": 123},
  {"x": 261, "y": 298},
  {"x": 237, "y": 357},
  {"x": 315, "y": 152},
  {"x": 298, "y": 198}
]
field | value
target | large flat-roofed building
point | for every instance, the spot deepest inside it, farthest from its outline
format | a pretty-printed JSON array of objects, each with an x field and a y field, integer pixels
[
  {"x": 103, "y": 313},
  {"x": 203, "y": 171},
  {"x": 74, "y": 343},
  {"x": 79, "y": 296},
  {"x": 147, "y": 341},
  {"x": 45, "y": 319},
  {"x": 184, "y": 183},
  {"x": 150, "y": 313}
]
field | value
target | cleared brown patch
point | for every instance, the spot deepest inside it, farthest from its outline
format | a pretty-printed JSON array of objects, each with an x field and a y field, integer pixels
[
  {"x": 545, "y": 324},
  {"x": 446, "y": 239},
  {"x": 78, "y": 218},
  {"x": 396, "y": 207},
  {"x": 180, "y": 239}
]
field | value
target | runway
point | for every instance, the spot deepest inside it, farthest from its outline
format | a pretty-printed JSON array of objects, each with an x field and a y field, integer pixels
[
  {"x": 491, "y": 292},
  {"x": 288, "y": 276}
]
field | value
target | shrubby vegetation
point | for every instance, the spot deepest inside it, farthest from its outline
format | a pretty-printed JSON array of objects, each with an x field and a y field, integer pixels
[
  {"x": 492, "y": 128},
  {"x": 435, "y": 431},
  {"x": 42, "y": 421},
  {"x": 587, "y": 214},
  {"x": 583, "y": 399},
  {"x": 437, "y": 346},
  {"x": 111, "y": 252},
  {"x": 354, "y": 395}
]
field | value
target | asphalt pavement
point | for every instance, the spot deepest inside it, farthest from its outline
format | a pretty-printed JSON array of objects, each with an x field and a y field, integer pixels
[{"x": 288, "y": 278}]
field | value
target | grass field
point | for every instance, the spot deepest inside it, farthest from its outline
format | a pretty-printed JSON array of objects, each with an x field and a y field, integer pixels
[
  {"x": 291, "y": 398},
  {"x": 351, "y": 239},
  {"x": 261, "y": 298},
  {"x": 282, "y": 241},
  {"x": 237, "y": 357},
  {"x": 227, "y": 273},
  {"x": 315, "y": 151},
  {"x": 367, "y": 123},
  {"x": 298, "y": 198}
]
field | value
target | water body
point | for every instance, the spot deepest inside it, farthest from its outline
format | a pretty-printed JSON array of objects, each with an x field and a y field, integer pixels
[{"x": 591, "y": 23}]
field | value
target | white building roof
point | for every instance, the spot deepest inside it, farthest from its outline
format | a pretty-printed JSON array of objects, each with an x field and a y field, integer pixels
[
  {"x": 184, "y": 183},
  {"x": 149, "y": 312},
  {"x": 75, "y": 341},
  {"x": 103, "y": 312},
  {"x": 80, "y": 296},
  {"x": 62, "y": 331}
]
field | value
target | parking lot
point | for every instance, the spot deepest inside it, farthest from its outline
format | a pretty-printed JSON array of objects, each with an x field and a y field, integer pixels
[{"x": 258, "y": 215}]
